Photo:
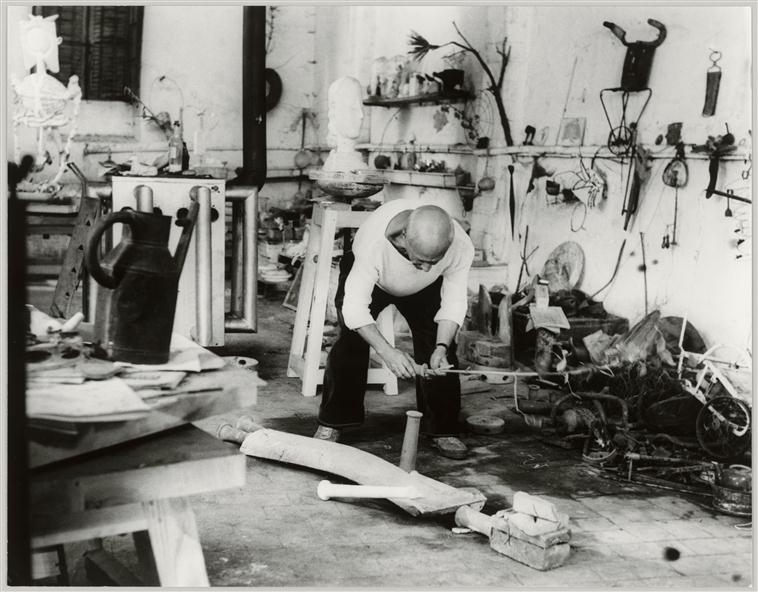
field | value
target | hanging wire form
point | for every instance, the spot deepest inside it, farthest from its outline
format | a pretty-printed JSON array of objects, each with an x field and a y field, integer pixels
[{"x": 621, "y": 136}]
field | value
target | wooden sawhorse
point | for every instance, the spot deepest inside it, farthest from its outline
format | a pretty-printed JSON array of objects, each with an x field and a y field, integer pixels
[{"x": 308, "y": 332}]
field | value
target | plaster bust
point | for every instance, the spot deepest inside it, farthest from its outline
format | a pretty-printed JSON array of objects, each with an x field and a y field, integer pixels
[{"x": 345, "y": 118}]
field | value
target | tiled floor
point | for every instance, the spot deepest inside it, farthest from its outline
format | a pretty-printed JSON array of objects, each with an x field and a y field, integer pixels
[{"x": 275, "y": 531}]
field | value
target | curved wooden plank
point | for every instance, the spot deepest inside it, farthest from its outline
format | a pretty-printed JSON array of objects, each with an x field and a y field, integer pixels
[{"x": 360, "y": 467}]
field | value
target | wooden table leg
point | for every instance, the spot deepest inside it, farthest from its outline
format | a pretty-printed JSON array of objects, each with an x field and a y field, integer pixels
[
  {"x": 145, "y": 558},
  {"x": 176, "y": 547}
]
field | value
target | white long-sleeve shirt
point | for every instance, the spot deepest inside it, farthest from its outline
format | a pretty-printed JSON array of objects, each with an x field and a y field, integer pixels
[{"x": 377, "y": 262}]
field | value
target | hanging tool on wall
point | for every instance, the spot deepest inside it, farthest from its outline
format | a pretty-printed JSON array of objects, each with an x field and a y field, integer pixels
[
  {"x": 512, "y": 202},
  {"x": 712, "y": 83},
  {"x": 615, "y": 271},
  {"x": 634, "y": 78},
  {"x": 639, "y": 172},
  {"x": 639, "y": 56},
  {"x": 715, "y": 148},
  {"x": 643, "y": 267},
  {"x": 537, "y": 171},
  {"x": 529, "y": 132},
  {"x": 675, "y": 175},
  {"x": 524, "y": 259}
]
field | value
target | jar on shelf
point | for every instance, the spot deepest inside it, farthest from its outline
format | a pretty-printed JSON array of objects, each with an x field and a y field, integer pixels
[{"x": 378, "y": 76}]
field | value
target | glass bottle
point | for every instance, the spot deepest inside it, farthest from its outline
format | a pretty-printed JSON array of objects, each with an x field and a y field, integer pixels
[{"x": 175, "y": 150}]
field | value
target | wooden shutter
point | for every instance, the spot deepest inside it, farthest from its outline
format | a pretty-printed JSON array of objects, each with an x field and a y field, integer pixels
[{"x": 102, "y": 45}]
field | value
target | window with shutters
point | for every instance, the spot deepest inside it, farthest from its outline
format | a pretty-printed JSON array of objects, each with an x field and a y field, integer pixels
[{"x": 101, "y": 45}]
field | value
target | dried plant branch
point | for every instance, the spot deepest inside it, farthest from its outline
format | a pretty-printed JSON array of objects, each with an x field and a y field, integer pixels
[
  {"x": 504, "y": 56},
  {"x": 420, "y": 47}
]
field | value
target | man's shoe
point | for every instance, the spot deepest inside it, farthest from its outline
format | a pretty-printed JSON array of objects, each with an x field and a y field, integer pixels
[
  {"x": 327, "y": 433},
  {"x": 450, "y": 447}
]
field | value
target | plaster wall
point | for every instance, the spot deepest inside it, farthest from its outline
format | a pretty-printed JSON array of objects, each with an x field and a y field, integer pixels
[
  {"x": 561, "y": 57},
  {"x": 701, "y": 276},
  {"x": 191, "y": 56}
]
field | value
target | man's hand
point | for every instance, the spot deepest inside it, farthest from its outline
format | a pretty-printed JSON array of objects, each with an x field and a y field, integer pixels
[
  {"x": 400, "y": 363},
  {"x": 438, "y": 362}
]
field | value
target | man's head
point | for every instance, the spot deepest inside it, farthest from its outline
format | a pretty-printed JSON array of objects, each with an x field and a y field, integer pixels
[{"x": 428, "y": 234}]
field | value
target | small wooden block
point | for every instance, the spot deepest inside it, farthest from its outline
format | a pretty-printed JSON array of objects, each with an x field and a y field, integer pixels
[
  {"x": 542, "y": 558},
  {"x": 544, "y": 540},
  {"x": 533, "y": 526},
  {"x": 483, "y": 349},
  {"x": 535, "y": 506},
  {"x": 485, "y": 424}
]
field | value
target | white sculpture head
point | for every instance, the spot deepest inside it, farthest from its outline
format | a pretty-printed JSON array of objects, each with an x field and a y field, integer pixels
[
  {"x": 345, "y": 112},
  {"x": 39, "y": 43}
]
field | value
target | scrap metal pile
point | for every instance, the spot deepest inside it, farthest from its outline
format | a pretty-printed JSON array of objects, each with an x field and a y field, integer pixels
[{"x": 656, "y": 412}]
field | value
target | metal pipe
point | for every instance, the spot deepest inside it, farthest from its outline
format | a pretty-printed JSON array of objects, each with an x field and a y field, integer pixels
[
  {"x": 608, "y": 397},
  {"x": 410, "y": 441},
  {"x": 251, "y": 259},
  {"x": 248, "y": 323},
  {"x": 144, "y": 196},
  {"x": 203, "y": 267},
  {"x": 238, "y": 259},
  {"x": 253, "y": 169}
]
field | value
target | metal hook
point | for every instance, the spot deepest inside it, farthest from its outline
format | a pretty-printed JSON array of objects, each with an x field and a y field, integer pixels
[
  {"x": 715, "y": 57},
  {"x": 745, "y": 174}
]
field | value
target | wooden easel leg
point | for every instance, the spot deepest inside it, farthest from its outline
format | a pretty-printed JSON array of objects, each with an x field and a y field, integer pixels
[
  {"x": 148, "y": 570},
  {"x": 304, "y": 300},
  {"x": 176, "y": 546},
  {"x": 386, "y": 323},
  {"x": 318, "y": 307}
]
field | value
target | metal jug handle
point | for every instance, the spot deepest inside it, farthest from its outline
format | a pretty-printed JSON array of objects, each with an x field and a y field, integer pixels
[{"x": 92, "y": 252}]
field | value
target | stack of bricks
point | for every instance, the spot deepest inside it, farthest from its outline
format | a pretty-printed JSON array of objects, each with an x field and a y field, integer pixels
[{"x": 532, "y": 532}]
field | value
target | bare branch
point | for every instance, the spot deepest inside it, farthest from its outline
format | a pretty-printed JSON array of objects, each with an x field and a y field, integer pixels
[{"x": 503, "y": 63}]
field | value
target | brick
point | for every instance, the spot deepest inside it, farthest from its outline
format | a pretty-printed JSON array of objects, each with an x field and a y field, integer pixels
[
  {"x": 719, "y": 545},
  {"x": 651, "y": 550},
  {"x": 529, "y": 554},
  {"x": 616, "y": 537},
  {"x": 618, "y": 569},
  {"x": 647, "y": 531},
  {"x": 684, "y": 529},
  {"x": 592, "y": 524}
]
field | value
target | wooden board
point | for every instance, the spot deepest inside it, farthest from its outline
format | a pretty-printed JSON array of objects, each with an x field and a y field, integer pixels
[
  {"x": 180, "y": 462},
  {"x": 361, "y": 467},
  {"x": 233, "y": 388}
]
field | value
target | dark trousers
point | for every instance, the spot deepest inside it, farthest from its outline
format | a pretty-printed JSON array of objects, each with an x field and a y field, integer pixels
[{"x": 345, "y": 376}]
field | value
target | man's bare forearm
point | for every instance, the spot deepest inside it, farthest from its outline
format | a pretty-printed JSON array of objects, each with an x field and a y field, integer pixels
[
  {"x": 446, "y": 331},
  {"x": 372, "y": 336}
]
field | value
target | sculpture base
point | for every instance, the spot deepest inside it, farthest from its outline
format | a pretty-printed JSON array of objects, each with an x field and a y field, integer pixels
[{"x": 348, "y": 185}]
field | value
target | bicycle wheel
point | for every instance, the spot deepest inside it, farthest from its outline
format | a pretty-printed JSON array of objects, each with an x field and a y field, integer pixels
[{"x": 723, "y": 427}]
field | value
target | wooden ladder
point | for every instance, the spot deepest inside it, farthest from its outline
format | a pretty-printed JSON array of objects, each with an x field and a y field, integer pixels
[{"x": 72, "y": 268}]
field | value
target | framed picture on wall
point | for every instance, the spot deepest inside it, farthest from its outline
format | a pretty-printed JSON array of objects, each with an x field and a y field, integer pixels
[{"x": 571, "y": 132}]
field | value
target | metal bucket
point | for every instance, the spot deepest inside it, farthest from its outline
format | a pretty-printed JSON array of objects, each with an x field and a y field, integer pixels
[{"x": 732, "y": 501}]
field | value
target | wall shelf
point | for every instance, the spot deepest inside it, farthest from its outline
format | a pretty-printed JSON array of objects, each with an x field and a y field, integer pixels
[
  {"x": 441, "y": 180},
  {"x": 433, "y": 98}
]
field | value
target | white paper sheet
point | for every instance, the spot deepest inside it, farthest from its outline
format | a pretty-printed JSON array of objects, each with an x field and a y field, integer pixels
[{"x": 104, "y": 400}]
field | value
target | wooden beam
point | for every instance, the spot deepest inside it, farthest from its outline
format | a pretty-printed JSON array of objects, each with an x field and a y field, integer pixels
[
  {"x": 89, "y": 524},
  {"x": 104, "y": 570},
  {"x": 176, "y": 543}
]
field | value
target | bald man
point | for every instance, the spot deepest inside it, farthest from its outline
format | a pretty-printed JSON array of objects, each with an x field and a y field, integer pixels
[{"x": 418, "y": 258}]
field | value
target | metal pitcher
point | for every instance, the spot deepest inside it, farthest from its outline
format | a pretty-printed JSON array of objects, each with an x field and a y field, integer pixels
[{"x": 139, "y": 280}]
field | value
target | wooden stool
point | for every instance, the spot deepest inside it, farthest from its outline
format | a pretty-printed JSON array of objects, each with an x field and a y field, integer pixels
[{"x": 308, "y": 332}]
